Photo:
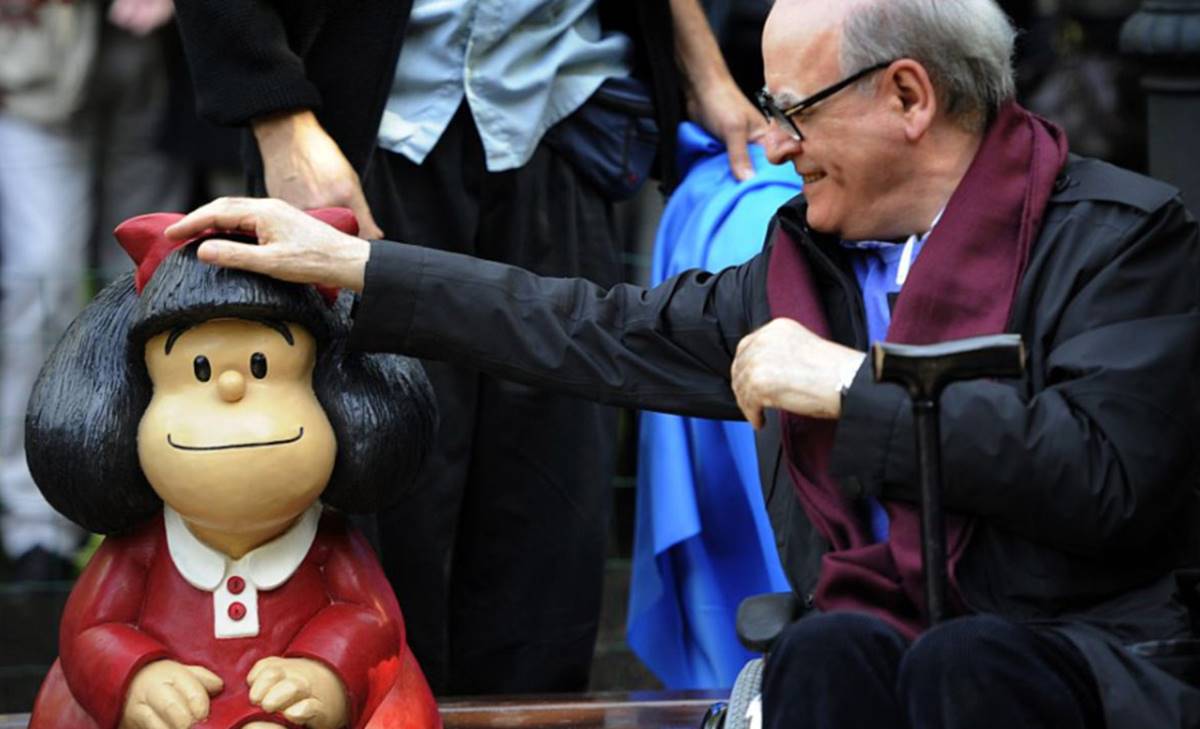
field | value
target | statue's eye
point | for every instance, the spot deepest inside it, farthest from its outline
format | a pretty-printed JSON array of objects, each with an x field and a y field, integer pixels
[
  {"x": 258, "y": 365},
  {"x": 202, "y": 368}
]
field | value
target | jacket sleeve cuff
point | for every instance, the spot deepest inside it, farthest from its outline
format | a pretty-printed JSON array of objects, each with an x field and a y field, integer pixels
[
  {"x": 384, "y": 314},
  {"x": 107, "y": 658},
  {"x": 244, "y": 100},
  {"x": 872, "y": 414}
]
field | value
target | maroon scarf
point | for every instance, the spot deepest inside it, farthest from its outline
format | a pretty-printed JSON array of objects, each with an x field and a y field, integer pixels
[{"x": 963, "y": 284}]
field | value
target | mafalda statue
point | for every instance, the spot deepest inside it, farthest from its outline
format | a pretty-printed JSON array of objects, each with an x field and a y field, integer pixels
[{"x": 200, "y": 418}]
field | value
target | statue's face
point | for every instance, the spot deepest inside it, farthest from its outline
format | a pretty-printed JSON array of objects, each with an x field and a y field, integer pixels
[{"x": 234, "y": 438}]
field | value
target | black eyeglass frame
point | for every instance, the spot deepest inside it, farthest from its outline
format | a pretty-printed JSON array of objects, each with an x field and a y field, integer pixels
[{"x": 769, "y": 109}]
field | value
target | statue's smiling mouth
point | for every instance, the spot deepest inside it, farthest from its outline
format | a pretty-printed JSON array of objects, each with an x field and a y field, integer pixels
[{"x": 231, "y": 446}]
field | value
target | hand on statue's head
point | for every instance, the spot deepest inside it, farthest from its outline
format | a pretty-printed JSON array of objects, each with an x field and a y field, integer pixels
[
  {"x": 169, "y": 695},
  {"x": 292, "y": 245},
  {"x": 307, "y": 692}
]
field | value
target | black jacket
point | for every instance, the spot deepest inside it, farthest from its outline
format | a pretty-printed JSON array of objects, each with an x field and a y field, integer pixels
[
  {"x": 1083, "y": 473},
  {"x": 251, "y": 58}
]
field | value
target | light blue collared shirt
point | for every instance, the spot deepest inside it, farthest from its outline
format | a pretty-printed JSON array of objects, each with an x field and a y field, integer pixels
[
  {"x": 522, "y": 65},
  {"x": 881, "y": 269}
]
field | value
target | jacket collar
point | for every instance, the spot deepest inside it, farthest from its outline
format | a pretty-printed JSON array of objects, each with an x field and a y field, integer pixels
[
  {"x": 827, "y": 262},
  {"x": 268, "y": 566}
]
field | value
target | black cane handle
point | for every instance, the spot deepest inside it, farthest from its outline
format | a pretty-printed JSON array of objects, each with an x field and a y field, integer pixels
[{"x": 925, "y": 369}]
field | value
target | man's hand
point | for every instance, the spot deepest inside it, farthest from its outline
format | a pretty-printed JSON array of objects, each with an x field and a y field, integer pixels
[
  {"x": 169, "y": 695},
  {"x": 304, "y": 166},
  {"x": 714, "y": 100},
  {"x": 306, "y": 691},
  {"x": 140, "y": 17},
  {"x": 724, "y": 111},
  {"x": 292, "y": 245},
  {"x": 785, "y": 366}
]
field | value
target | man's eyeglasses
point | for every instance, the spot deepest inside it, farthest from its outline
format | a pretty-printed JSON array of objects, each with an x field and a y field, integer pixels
[{"x": 771, "y": 110}]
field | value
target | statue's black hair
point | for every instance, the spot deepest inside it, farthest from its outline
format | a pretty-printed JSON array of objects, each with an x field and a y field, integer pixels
[{"x": 81, "y": 425}]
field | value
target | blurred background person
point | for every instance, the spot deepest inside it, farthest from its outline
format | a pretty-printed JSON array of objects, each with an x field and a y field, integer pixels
[
  {"x": 46, "y": 57},
  {"x": 1070, "y": 70},
  {"x": 86, "y": 100}
]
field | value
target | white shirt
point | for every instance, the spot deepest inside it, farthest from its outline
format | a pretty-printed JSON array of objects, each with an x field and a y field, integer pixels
[{"x": 235, "y": 584}]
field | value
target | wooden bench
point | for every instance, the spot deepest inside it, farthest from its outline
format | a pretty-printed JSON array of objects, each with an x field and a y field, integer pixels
[{"x": 639, "y": 710}]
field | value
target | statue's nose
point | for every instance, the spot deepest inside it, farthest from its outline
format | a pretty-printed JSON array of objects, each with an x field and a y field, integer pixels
[{"x": 232, "y": 385}]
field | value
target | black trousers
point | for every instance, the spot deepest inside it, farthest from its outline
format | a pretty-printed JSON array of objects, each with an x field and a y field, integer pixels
[
  {"x": 497, "y": 556},
  {"x": 850, "y": 670}
]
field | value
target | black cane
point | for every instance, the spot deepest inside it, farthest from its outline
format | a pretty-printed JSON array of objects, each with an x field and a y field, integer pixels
[{"x": 924, "y": 371}]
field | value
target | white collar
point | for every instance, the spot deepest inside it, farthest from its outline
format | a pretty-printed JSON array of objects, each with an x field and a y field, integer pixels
[
  {"x": 268, "y": 566},
  {"x": 906, "y": 257}
]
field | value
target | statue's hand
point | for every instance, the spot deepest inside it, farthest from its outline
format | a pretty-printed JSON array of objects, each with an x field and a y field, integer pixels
[
  {"x": 305, "y": 691},
  {"x": 167, "y": 694}
]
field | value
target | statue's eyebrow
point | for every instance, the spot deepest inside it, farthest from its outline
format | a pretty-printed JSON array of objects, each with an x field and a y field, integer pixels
[
  {"x": 275, "y": 324},
  {"x": 176, "y": 333},
  {"x": 280, "y": 327}
]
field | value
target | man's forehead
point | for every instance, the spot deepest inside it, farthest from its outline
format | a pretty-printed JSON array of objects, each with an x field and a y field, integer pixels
[
  {"x": 801, "y": 41},
  {"x": 808, "y": 15}
]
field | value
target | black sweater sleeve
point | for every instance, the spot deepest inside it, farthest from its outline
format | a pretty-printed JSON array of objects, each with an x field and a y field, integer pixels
[{"x": 243, "y": 58}]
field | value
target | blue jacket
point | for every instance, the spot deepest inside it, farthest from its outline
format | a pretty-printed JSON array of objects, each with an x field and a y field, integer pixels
[{"x": 702, "y": 541}]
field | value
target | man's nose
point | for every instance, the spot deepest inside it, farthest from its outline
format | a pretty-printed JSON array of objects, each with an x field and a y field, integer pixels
[
  {"x": 780, "y": 145},
  {"x": 231, "y": 385}
]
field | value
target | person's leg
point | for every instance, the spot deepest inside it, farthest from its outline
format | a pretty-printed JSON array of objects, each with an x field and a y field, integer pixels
[
  {"x": 45, "y": 216},
  {"x": 529, "y": 560},
  {"x": 984, "y": 671},
  {"x": 133, "y": 175},
  {"x": 433, "y": 204},
  {"x": 835, "y": 670}
]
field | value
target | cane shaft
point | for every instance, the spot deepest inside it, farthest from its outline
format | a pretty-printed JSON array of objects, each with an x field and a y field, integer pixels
[{"x": 933, "y": 525}]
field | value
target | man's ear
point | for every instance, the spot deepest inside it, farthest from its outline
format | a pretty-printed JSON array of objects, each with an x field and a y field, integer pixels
[{"x": 913, "y": 97}]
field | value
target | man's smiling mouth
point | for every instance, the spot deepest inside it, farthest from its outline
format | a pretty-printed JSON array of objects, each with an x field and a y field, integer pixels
[{"x": 293, "y": 439}]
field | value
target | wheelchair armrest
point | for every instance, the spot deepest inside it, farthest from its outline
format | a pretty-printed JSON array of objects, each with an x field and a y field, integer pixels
[{"x": 761, "y": 618}]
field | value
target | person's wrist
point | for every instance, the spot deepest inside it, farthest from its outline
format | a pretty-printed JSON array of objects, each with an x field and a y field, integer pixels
[
  {"x": 282, "y": 127},
  {"x": 353, "y": 254}
]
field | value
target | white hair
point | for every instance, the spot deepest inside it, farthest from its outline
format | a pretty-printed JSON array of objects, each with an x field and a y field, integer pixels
[{"x": 966, "y": 46}]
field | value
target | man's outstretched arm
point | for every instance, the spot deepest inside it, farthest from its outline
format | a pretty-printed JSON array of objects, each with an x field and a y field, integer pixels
[{"x": 668, "y": 348}]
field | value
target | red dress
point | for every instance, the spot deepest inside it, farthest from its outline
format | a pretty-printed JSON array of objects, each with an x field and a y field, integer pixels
[{"x": 131, "y": 606}]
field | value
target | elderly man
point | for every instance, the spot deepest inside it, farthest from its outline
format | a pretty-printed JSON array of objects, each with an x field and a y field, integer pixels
[{"x": 934, "y": 208}]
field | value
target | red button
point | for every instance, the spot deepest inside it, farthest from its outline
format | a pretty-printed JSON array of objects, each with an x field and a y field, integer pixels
[
  {"x": 235, "y": 585},
  {"x": 237, "y": 611}
]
